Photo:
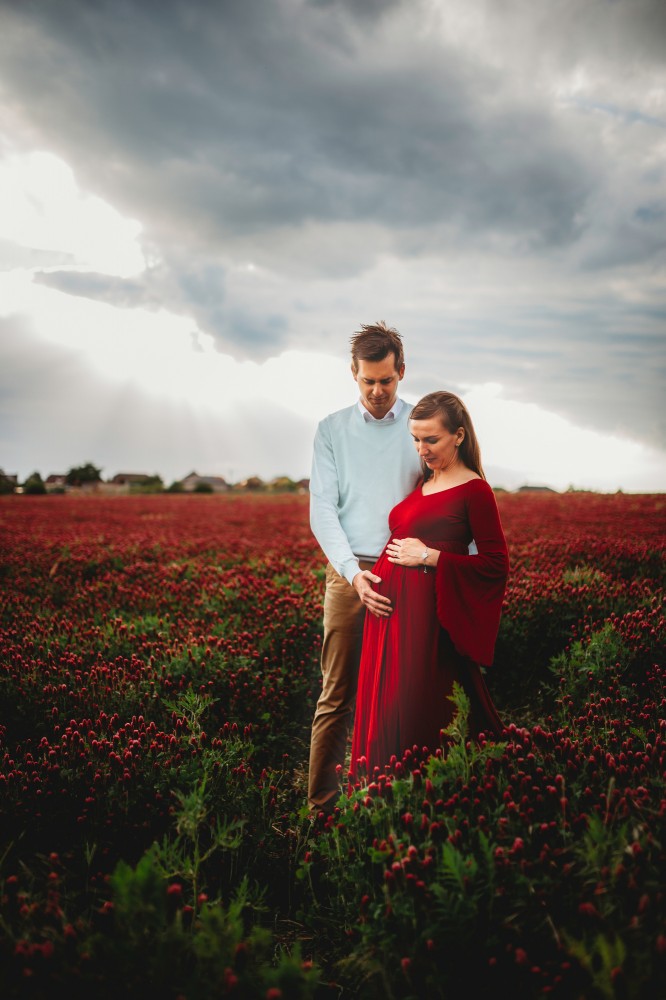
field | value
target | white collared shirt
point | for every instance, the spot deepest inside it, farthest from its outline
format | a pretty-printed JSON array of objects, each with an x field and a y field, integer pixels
[{"x": 391, "y": 415}]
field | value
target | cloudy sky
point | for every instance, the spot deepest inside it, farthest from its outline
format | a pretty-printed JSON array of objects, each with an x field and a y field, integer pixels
[{"x": 201, "y": 201}]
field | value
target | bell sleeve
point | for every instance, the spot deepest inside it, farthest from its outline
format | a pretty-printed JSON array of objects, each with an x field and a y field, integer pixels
[{"x": 470, "y": 588}]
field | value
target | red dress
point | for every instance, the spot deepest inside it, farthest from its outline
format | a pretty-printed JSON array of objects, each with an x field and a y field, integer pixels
[{"x": 444, "y": 624}]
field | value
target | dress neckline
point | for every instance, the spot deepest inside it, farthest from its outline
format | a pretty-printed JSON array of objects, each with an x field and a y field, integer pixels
[{"x": 449, "y": 488}]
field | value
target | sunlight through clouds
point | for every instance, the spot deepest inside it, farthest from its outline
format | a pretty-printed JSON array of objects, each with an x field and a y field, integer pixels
[
  {"x": 165, "y": 355},
  {"x": 42, "y": 206},
  {"x": 176, "y": 368},
  {"x": 539, "y": 447}
]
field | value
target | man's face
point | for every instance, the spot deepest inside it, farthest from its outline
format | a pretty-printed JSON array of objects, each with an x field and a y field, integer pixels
[{"x": 378, "y": 384}]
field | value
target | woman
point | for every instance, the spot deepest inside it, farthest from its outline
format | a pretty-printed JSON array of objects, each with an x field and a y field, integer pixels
[{"x": 446, "y": 602}]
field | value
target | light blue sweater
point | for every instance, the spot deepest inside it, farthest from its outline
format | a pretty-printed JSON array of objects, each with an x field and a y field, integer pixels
[{"x": 360, "y": 470}]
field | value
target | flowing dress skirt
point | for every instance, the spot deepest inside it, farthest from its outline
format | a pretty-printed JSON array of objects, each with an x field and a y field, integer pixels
[{"x": 410, "y": 661}]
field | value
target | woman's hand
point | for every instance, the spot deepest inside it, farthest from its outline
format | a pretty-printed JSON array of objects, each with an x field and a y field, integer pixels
[{"x": 406, "y": 551}]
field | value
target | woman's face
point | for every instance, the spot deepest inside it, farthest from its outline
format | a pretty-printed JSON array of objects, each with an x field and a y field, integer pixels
[{"x": 435, "y": 444}]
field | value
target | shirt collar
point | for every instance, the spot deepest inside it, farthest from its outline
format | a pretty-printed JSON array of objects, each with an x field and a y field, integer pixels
[{"x": 391, "y": 415}]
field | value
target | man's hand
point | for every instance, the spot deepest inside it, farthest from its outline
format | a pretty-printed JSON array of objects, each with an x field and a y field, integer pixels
[{"x": 377, "y": 604}]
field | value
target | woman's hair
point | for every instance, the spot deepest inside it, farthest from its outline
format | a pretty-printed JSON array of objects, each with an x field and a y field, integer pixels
[
  {"x": 453, "y": 414},
  {"x": 374, "y": 341}
]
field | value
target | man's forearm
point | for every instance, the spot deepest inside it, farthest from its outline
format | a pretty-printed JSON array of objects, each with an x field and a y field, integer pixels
[{"x": 328, "y": 531}]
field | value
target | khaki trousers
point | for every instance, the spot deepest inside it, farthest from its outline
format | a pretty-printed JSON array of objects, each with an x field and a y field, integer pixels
[{"x": 344, "y": 616}]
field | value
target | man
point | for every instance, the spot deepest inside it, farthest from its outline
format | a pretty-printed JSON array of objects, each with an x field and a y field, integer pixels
[{"x": 364, "y": 463}]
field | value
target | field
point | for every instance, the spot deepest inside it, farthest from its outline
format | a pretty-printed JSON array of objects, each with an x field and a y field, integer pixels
[{"x": 158, "y": 675}]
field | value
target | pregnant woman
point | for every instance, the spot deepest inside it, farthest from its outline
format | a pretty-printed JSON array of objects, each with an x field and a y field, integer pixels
[{"x": 446, "y": 602}]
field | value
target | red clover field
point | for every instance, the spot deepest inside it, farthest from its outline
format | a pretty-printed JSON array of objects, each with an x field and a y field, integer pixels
[{"x": 159, "y": 667}]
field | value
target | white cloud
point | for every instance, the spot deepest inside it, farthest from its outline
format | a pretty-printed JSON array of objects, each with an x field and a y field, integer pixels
[
  {"x": 43, "y": 207},
  {"x": 532, "y": 445}
]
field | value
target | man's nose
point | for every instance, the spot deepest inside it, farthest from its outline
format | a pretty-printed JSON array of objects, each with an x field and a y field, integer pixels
[{"x": 377, "y": 389}]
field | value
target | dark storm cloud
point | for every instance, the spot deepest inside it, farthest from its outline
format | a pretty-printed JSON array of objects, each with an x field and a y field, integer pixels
[
  {"x": 214, "y": 120},
  {"x": 189, "y": 283},
  {"x": 196, "y": 289},
  {"x": 318, "y": 137},
  {"x": 125, "y": 293},
  {"x": 600, "y": 361}
]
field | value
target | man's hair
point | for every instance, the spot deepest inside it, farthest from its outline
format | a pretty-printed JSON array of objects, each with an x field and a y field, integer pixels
[{"x": 374, "y": 341}]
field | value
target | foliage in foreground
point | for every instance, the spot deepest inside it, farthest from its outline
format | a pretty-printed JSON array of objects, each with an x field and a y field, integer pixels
[
  {"x": 538, "y": 862},
  {"x": 158, "y": 670}
]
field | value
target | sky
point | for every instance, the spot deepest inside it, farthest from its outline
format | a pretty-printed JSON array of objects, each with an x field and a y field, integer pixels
[{"x": 201, "y": 202}]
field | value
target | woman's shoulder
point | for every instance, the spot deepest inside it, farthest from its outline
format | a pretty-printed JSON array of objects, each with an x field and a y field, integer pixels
[
  {"x": 479, "y": 492},
  {"x": 478, "y": 485}
]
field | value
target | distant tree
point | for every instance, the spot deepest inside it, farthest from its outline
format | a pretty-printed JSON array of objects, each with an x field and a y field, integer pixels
[
  {"x": 176, "y": 487},
  {"x": 254, "y": 483},
  {"x": 283, "y": 484},
  {"x": 6, "y": 484},
  {"x": 151, "y": 484},
  {"x": 203, "y": 488},
  {"x": 34, "y": 485},
  {"x": 81, "y": 474}
]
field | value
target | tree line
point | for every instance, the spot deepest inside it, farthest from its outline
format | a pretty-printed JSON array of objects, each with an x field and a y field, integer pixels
[{"x": 89, "y": 474}]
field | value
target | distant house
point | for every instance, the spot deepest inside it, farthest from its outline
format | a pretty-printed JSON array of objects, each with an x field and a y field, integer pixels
[
  {"x": 216, "y": 483},
  {"x": 130, "y": 479},
  {"x": 535, "y": 489},
  {"x": 131, "y": 482},
  {"x": 56, "y": 482}
]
